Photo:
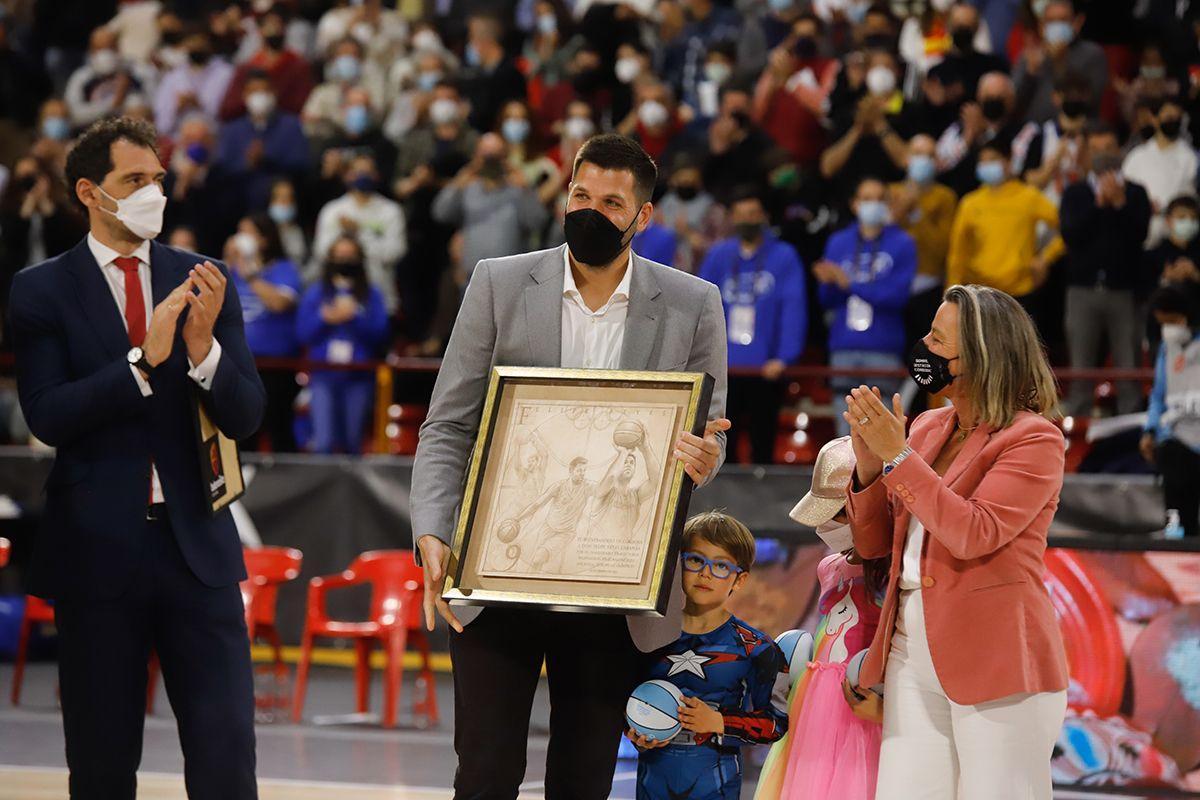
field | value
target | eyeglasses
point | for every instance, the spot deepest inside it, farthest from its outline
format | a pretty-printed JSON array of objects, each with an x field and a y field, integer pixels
[{"x": 694, "y": 562}]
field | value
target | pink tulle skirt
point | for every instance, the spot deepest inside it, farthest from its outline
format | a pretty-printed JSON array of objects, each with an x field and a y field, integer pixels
[{"x": 833, "y": 754}]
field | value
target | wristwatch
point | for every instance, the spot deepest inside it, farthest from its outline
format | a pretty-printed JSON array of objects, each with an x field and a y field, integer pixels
[
  {"x": 137, "y": 358},
  {"x": 895, "y": 462}
]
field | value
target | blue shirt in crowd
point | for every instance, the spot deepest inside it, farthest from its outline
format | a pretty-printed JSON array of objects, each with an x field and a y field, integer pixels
[
  {"x": 656, "y": 243},
  {"x": 869, "y": 316},
  {"x": 284, "y": 153},
  {"x": 765, "y": 308},
  {"x": 360, "y": 339},
  {"x": 270, "y": 333},
  {"x": 1177, "y": 392}
]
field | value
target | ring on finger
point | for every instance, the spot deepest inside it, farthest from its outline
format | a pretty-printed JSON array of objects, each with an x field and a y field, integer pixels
[{"x": 864, "y": 421}]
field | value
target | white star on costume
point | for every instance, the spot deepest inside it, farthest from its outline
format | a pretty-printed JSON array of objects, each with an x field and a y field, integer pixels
[{"x": 688, "y": 661}]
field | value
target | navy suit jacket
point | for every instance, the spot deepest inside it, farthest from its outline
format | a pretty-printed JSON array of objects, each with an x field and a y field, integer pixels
[{"x": 79, "y": 395}]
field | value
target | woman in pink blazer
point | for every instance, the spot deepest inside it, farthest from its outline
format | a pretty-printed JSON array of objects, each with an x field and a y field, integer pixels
[{"x": 968, "y": 648}]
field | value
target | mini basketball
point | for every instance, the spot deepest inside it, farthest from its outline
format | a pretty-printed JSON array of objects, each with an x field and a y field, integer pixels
[
  {"x": 513, "y": 551},
  {"x": 797, "y": 647},
  {"x": 628, "y": 434},
  {"x": 653, "y": 710},
  {"x": 508, "y": 530},
  {"x": 854, "y": 670}
]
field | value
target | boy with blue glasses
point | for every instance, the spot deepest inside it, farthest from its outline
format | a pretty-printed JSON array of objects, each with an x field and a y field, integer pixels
[{"x": 725, "y": 669}]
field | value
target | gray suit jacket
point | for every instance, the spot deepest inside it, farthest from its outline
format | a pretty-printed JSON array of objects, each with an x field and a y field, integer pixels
[{"x": 512, "y": 316}]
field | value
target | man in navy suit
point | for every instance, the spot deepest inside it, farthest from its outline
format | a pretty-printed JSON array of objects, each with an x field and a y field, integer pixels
[{"x": 111, "y": 339}]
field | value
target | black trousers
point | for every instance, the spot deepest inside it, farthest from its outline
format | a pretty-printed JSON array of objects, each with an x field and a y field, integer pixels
[
  {"x": 753, "y": 408},
  {"x": 592, "y": 666},
  {"x": 278, "y": 419},
  {"x": 199, "y": 634},
  {"x": 1179, "y": 465}
]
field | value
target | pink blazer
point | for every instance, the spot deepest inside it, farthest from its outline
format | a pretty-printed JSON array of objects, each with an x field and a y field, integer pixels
[{"x": 992, "y": 631}]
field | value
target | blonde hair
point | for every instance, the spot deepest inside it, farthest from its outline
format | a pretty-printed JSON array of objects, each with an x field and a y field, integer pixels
[
  {"x": 1005, "y": 370},
  {"x": 722, "y": 530}
]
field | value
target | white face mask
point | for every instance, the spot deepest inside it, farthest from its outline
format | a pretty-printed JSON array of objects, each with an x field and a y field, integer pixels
[
  {"x": 881, "y": 81},
  {"x": 652, "y": 114},
  {"x": 140, "y": 212},
  {"x": 836, "y": 535},
  {"x": 1176, "y": 334},
  {"x": 941, "y": 6},
  {"x": 627, "y": 69},
  {"x": 246, "y": 244},
  {"x": 578, "y": 128},
  {"x": 426, "y": 39},
  {"x": 443, "y": 111},
  {"x": 104, "y": 62},
  {"x": 260, "y": 104}
]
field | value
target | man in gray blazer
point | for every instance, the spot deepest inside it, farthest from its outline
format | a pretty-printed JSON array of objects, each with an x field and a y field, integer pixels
[{"x": 592, "y": 303}]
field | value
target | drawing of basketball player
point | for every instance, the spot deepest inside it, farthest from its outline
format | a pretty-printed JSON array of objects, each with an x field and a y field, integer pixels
[
  {"x": 618, "y": 502},
  {"x": 567, "y": 500},
  {"x": 524, "y": 475}
]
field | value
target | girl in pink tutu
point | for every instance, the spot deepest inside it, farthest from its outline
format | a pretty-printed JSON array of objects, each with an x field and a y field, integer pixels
[{"x": 831, "y": 750}]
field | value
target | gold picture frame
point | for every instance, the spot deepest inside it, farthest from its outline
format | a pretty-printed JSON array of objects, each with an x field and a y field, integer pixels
[{"x": 573, "y": 499}]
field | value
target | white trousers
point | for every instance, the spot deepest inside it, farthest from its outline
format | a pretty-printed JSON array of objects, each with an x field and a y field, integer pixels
[{"x": 936, "y": 749}]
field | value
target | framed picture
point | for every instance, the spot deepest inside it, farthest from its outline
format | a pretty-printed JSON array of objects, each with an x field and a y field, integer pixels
[{"x": 573, "y": 498}]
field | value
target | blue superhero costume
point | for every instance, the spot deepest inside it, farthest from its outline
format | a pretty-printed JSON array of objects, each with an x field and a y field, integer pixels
[{"x": 733, "y": 669}]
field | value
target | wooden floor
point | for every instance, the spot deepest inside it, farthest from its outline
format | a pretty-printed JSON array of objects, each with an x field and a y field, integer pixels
[{"x": 37, "y": 783}]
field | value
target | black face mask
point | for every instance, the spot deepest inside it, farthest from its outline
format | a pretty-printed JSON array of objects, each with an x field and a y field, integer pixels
[
  {"x": 749, "y": 231},
  {"x": 172, "y": 38},
  {"x": 587, "y": 81},
  {"x": 1073, "y": 109},
  {"x": 274, "y": 41},
  {"x": 592, "y": 237},
  {"x": 878, "y": 41},
  {"x": 963, "y": 38},
  {"x": 929, "y": 370},
  {"x": 806, "y": 47},
  {"x": 687, "y": 193},
  {"x": 1147, "y": 132},
  {"x": 199, "y": 57},
  {"x": 993, "y": 109},
  {"x": 28, "y": 182},
  {"x": 491, "y": 169},
  {"x": 1171, "y": 128},
  {"x": 346, "y": 269}
]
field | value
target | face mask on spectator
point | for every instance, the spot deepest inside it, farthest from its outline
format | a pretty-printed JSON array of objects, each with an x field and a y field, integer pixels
[
  {"x": 140, "y": 212},
  {"x": 345, "y": 68},
  {"x": 652, "y": 114},
  {"x": 787, "y": 177},
  {"x": 443, "y": 111},
  {"x": 364, "y": 32},
  {"x": 878, "y": 41},
  {"x": 856, "y": 11},
  {"x": 492, "y": 168},
  {"x": 547, "y": 24},
  {"x": 748, "y": 231},
  {"x": 1039, "y": 7},
  {"x": 246, "y": 244},
  {"x": 941, "y": 6},
  {"x": 1147, "y": 132},
  {"x": 426, "y": 39},
  {"x": 172, "y": 57},
  {"x": 471, "y": 55},
  {"x": 627, "y": 69},
  {"x": 687, "y": 192},
  {"x": 426, "y": 81},
  {"x": 578, "y": 128},
  {"x": 1106, "y": 162},
  {"x": 362, "y": 182},
  {"x": 199, "y": 58},
  {"x": 921, "y": 168},
  {"x": 963, "y": 38},
  {"x": 836, "y": 535},
  {"x": 779, "y": 6},
  {"x": 1176, "y": 334},
  {"x": 1074, "y": 109},
  {"x": 515, "y": 129},
  {"x": 1059, "y": 32},
  {"x": 990, "y": 173},
  {"x": 1171, "y": 128},
  {"x": 717, "y": 71},
  {"x": 872, "y": 213},
  {"x": 197, "y": 153},
  {"x": 1184, "y": 229},
  {"x": 881, "y": 81},
  {"x": 592, "y": 237},
  {"x": 104, "y": 62},
  {"x": 994, "y": 109},
  {"x": 282, "y": 213},
  {"x": 1152, "y": 73},
  {"x": 274, "y": 42},
  {"x": 356, "y": 120},
  {"x": 56, "y": 128},
  {"x": 805, "y": 47},
  {"x": 260, "y": 104},
  {"x": 346, "y": 271},
  {"x": 930, "y": 371}
]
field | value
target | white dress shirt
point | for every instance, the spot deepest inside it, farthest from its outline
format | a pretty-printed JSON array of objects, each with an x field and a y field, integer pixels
[
  {"x": 203, "y": 374},
  {"x": 910, "y": 567},
  {"x": 593, "y": 339}
]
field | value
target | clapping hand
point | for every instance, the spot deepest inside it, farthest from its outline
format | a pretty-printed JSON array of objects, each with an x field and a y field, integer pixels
[
  {"x": 880, "y": 429},
  {"x": 204, "y": 308}
]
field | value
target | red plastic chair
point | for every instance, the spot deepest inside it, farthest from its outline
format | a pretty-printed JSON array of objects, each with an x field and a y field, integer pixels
[
  {"x": 396, "y": 615},
  {"x": 266, "y": 569},
  {"x": 5, "y": 549}
]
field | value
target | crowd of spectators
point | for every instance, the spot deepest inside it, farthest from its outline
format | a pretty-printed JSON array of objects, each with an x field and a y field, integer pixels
[{"x": 830, "y": 164}]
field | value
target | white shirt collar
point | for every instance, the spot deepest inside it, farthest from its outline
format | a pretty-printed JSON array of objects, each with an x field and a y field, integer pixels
[
  {"x": 571, "y": 290},
  {"x": 105, "y": 255}
]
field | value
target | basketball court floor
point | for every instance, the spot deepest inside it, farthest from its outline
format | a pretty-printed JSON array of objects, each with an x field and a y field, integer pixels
[{"x": 338, "y": 759}]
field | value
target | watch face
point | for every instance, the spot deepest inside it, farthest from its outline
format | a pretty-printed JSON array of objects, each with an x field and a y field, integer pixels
[{"x": 135, "y": 355}]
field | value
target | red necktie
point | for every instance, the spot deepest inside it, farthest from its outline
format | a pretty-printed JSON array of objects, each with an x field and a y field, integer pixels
[{"x": 135, "y": 301}]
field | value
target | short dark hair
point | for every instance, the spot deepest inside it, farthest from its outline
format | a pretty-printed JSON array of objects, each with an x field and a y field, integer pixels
[
  {"x": 1176, "y": 298},
  {"x": 91, "y": 157},
  {"x": 720, "y": 529},
  {"x": 1185, "y": 201},
  {"x": 745, "y": 192},
  {"x": 270, "y": 231},
  {"x": 613, "y": 151}
]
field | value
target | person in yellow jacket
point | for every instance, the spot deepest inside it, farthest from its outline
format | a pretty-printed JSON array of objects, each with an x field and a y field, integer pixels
[{"x": 994, "y": 241}]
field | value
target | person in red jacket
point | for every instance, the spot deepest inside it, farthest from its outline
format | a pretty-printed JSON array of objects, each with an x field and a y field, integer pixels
[
  {"x": 968, "y": 650},
  {"x": 291, "y": 76}
]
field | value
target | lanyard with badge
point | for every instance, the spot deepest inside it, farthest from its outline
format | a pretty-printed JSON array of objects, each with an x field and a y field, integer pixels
[
  {"x": 743, "y": 308},
  {"x": 859, "y": 313}
]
